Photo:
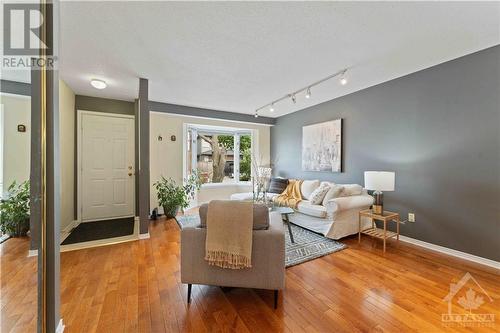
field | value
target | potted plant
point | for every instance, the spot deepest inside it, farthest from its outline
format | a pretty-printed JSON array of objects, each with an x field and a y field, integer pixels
[
  {"x": 15, "y": 210},
  {"x": 173, "y": 197}
]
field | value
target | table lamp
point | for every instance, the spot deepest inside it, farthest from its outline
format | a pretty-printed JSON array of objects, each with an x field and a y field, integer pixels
[{"x": 379, "y": 181}]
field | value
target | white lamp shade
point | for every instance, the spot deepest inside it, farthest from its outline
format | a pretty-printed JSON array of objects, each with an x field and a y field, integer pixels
[{"x": 379, "y": 180}]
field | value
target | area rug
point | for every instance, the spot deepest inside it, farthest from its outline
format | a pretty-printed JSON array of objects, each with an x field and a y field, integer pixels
[
  {"x": 91, "y": 231},
  {"x": 308, "y": 245}
]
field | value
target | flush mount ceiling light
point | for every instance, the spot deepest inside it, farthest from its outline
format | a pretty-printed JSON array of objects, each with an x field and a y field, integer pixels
[
  {"x": 307, "y": 89},
  {"x": 98, "y": 84}
]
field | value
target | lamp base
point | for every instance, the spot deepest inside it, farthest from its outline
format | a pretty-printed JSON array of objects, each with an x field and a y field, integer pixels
[
  {"x": 378, "y": 209},
  {"x": 378, "y": 205}
]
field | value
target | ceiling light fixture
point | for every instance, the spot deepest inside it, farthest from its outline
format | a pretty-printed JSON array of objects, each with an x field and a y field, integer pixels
[
  {"x": 307, "y": 89},
  {"x": 256, "y": 115},
  {"x": 343, "y": 80},
  {"x": 98, "y": 84},
  {"x": 308, "y": 93}
]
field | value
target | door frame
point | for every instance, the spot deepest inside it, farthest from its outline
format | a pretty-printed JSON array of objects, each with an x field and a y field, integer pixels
[{"x": 79, "y": 122}]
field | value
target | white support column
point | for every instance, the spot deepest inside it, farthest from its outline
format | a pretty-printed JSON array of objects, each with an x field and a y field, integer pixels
[
  {"x": 194, "y": 149},
  {"x": 236, "y": 158}
]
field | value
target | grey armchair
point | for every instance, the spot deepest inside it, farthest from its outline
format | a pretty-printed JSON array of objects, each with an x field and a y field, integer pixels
[{"x": 268, "y": 260}]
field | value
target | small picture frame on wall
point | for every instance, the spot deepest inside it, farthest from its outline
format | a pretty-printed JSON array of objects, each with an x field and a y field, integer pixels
[{"x": 322, "y": 146}]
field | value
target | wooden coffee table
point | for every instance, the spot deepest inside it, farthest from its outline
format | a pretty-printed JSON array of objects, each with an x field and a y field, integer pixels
[{"x": 285, "y": 211}]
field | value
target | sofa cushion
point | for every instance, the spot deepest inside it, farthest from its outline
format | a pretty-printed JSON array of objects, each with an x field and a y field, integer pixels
[
  {"x": 308, "y": 187},
  {"x": 305, "y": 207},
  {"x": 277, "y": 185},
  {"x": 316, "y": 198},
  {"x": 351, "y": 189},
  {"x": 334, "y": 192},
  {"x": 260, "y": 216}
]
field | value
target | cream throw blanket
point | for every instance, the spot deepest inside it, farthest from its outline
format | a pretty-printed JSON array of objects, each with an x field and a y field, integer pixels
[{"x": 229, "y": 234}]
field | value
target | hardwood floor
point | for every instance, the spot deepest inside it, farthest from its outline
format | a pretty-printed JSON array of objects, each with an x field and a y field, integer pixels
[{"x": 135, "y": 287}]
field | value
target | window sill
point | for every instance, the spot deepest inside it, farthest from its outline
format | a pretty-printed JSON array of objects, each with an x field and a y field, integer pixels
[{"x": 219, "y": 185}]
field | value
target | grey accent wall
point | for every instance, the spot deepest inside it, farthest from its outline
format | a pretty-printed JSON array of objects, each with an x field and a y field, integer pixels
[
  {"x": 208, "y": 113},
  {"x": 107, "y": 105},
  {"x": 17, "y": 88},
  {"x": 438, "y": 129}
]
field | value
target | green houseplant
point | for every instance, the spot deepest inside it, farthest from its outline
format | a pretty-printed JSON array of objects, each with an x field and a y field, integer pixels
[
  {"x": 173, "y": 197},
  {"x": 15, "y": 210}
]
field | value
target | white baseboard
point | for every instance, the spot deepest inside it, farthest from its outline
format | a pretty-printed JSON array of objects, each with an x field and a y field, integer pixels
[
  {"x": 32, "y": 253},
  {"x": 60, "y": 327},
  {"x": 451, "y": 252},
  {"x": 144, "y": 236}
]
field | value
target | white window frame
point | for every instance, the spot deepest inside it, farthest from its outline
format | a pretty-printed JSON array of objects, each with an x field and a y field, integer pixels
[{"x": 237, "y": 132}]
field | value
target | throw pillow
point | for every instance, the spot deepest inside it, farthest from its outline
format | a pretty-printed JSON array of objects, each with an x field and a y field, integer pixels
[
  {"x": 307, "y": 188},
  {"x": 333, "y": 193},
  {"x": 316, "y": 197},
  {"x": 277, "y": 185}
]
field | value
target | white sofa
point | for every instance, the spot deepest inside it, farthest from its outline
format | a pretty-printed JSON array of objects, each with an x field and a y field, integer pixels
[{"x": 334, "y": 218}]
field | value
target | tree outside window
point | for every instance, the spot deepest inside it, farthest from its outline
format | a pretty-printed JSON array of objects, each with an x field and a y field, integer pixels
[{"x": 218, "y": 159}]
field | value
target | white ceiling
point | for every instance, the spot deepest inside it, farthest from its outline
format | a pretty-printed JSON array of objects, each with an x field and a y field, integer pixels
[{"x": 238, "y": 56}]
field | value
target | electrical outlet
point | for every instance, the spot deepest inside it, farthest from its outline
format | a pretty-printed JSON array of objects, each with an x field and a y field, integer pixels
[{"x": 411, "y": 217}]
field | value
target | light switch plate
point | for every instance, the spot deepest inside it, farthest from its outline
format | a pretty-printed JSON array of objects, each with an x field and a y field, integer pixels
[{"x": 411, "y": 217}]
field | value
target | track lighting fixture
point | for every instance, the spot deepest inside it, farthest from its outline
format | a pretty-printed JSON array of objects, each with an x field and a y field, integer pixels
[
  {"x": 343, "y": 80},
  {"x": 256, "y": 115},
  {"x": 307, "y": 89},
  {"x": 308, "y": 93}
]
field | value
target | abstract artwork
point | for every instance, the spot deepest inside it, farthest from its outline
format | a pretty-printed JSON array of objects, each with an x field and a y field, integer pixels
[{"x": 322, "y": 146}]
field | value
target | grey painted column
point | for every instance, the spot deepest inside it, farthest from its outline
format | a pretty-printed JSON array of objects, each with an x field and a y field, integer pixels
[
  {"x": 49, "y": 250},
  {"x": 142, "y": 117},
  {"x": 35, "y": 162}
]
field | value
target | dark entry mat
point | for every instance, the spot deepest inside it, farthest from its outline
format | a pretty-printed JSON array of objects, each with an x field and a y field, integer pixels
[{"x": 91, "y": 231}]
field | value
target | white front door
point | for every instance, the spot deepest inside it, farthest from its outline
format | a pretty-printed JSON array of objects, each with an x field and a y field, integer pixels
[{"x": 107, "y": 166}]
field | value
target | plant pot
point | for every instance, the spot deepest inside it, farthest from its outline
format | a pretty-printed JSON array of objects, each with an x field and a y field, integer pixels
[
  {"x": 171, "y": 212},
  {"x": 21, "y": 229}
]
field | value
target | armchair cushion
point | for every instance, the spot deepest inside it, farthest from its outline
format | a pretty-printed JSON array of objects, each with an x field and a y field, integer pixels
[{"x": 260, "y": 216}]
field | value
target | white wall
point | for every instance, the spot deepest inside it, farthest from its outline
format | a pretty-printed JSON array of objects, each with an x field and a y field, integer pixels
[
  {"x": 67, "y": 152},
  {"x": 166, "y": 156},
  {"x": 16, "y": 149}
]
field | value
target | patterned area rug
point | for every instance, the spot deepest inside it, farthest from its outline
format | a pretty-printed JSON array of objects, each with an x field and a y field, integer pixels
[{"x": 308, "y": 245}]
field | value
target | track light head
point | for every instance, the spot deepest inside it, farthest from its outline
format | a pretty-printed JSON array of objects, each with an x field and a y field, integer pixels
[
  {"x": 343, "y": 80},
  {"x": 294, "y": 99},
  {"x": 256, "y": 115},
  {"x": 271, "y": 108},
  {"x": 308, "y": 93}
]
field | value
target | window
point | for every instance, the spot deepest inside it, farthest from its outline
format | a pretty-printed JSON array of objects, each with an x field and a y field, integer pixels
[{"x": 219, "y": 154}]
